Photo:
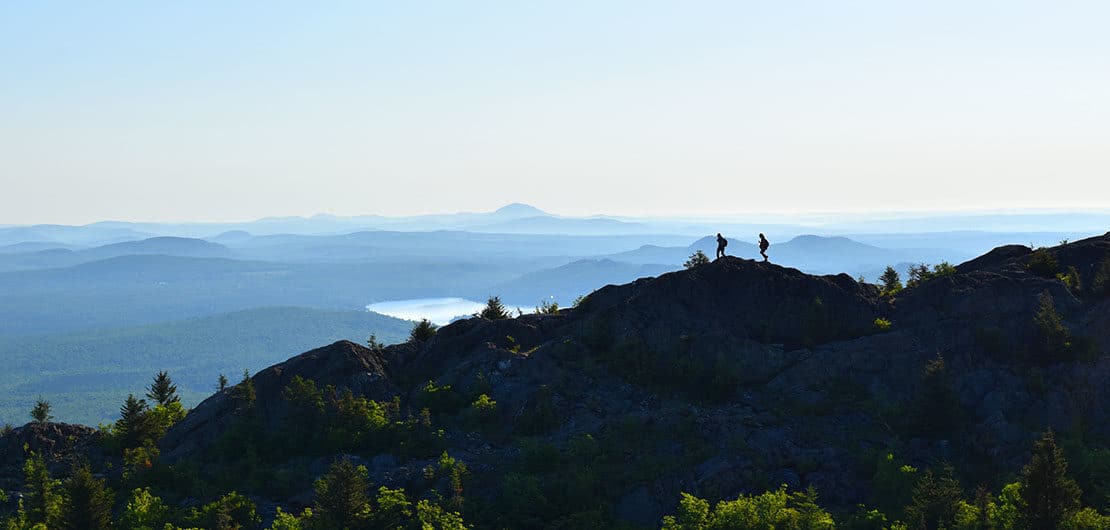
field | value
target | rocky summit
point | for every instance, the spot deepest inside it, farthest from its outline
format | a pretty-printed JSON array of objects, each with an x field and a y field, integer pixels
[{"x": 729, "y": 378}]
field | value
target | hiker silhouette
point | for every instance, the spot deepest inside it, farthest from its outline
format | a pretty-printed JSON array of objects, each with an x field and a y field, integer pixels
[
  {"x": 721, "y": 244},
  {"x": 763, "y": 244}
]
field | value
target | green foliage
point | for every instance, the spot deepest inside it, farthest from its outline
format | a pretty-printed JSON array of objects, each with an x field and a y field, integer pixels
[
  {"x": 453, "y": 471},
  {"x": 774, "y": 509},
  {"x": 1086, "y": 519},
  {"x": 87, "y": 502},
  {"x": 433, "y": 517},
  {"x": 306, "y": 402},
  {"x": 1049, "y": 496},
  {"x": 891, "y": 281},
  {"x": 162, "y": 391},
  {"x": 483, "y": 408},
  {"x": 547, "y": 307},
  {"x": 244, "y": 393},
  {"x": 1100, "y": 284},
  {"x": 882, "y": 324},
  {"x": 921, "y": 272},
  {"x": 232, "y": 511},
  {"x": 936, "y": 499},
  {"x": 1042, "y": 262},
  {"x": 1071, "y": 280},
  {"x": 134, "y": 427},
  {"x": 143, "y": 511},
  {"x": 41, "y": 501},
  {"x": 697, "y": 258},
  {"x": 342, "y": 497},
  {"x": 1052, "y": 341},
  {"x": 221, "y": 383},
  {"x": 162, "y": 417},
  {"x": 439, "y": 399},
  {"x": 935, "y": 411},
  {"x": 893, "y": 484},
  {"x": 865, "y": 519},
  {"x": 494, "y": 309},
  {"x": 422, "y": 331},
  {"x": 41, "y": 412},
  {"x": 287, "y": 521},
  {"x": 374, "y": 344}
]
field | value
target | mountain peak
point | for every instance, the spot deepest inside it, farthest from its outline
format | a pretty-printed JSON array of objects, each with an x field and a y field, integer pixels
[{"x": 518, "y": 209}]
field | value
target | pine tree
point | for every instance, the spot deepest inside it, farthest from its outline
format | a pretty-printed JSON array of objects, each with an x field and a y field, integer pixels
[
  {"x": 937, "y": 409},
  {"x": 891, "y": 281},
  {"x": 134, "y": 425},
  {"x": 41, "y": 502},
  {"x": 1052, "y": 340},
  {"x": 88, "y": 502},
  {"x": 494, "y": 309},
  {"x": 697, "y": 258},
  {"x": 1049, "y": 495},
  {"x": 935, "y": 500},
  {"x": 221, "y": 383},
  {"x": 244, "y": 392},
  {"x": 342, "y": 496},
  {"x": 41, "y": 412},
  {"x": 422, "y": 331},
  {"x": 162, "y": 390}
]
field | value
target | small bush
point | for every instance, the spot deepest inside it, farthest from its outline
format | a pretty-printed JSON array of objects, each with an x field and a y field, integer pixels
[
  {"x": 1043, "y": 263},
  {"x": 484, "y": 407},
  {"x": 882, "y": 324},
  {"x": 1071, "y": 280},
  {"x": 548, "y": 307}
]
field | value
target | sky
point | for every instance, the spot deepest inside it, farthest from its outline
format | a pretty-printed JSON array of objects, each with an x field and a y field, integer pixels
[{"x": 222, "y": 111}]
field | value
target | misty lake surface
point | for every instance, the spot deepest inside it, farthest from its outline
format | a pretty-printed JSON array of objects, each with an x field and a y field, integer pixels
[{"x": 438, "y": 310}]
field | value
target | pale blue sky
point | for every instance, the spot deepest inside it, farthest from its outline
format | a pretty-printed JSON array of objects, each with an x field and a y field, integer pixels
[{"x": 238, "y": 110}]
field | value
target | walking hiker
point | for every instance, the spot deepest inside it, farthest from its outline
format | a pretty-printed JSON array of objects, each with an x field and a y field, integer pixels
[
  {"x": 721, "y": 244},
  {"x": 763, "y": 244}
]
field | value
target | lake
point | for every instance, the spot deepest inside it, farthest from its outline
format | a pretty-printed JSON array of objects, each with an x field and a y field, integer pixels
[{"x": 439, "y": 310}]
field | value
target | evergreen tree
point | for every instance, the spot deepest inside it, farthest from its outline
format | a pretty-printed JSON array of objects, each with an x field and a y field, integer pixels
[
  {"x": 1048, "y": 495},
  {"x": 41, "y": 412},
  {"x": 134, "y": 424},
  {"x": 162, "y": 390},
  {"x": 342, "y": 496},
  {"x": 88, "y": 502},
  {"x": 1052, "y": 341},
  {"x": 422, "y": 331},
  {"x": 891, "y": 281},
  {"x": 937, "y": 409},
  {"x": 983, "y": 508},
  {"x": 494, "y": 309},
  {"x": 221, "y": 383},
  {"x": 697, "y": 258},
  {"x": 935, "y": 500},
  {"x": 244, "y": 392},
  {"x": 41, "y": 502}
]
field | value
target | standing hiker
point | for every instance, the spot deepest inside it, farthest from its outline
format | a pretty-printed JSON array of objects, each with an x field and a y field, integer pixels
[
  {"x": 763, "y": 244},
  {"x": 721, "y": 244}
]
